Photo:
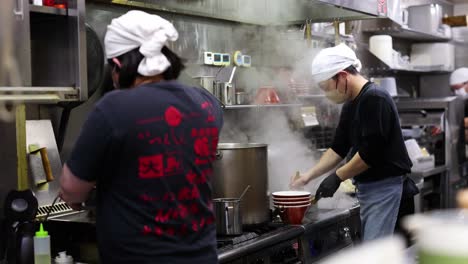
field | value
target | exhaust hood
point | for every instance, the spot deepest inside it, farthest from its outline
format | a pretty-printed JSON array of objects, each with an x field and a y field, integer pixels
[{"x": 264, "y": 12}]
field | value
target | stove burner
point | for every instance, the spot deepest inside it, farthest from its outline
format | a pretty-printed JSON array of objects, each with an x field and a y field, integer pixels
[
  {"x": 250, "y": 232},
  {"x": 233, "y": 240}
]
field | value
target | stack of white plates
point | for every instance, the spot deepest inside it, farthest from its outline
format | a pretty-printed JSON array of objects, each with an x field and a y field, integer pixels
[{"x": 287, "y": 199}]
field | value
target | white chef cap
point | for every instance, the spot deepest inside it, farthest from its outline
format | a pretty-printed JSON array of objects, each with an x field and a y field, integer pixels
[
  {"x": 459, "y": 76},
  {"x": 139, "y": 29},
  {"x": 330, "y": 61}
]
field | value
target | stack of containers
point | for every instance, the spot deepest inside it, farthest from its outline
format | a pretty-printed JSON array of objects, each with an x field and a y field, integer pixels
[{"x": 292, "y": 205}]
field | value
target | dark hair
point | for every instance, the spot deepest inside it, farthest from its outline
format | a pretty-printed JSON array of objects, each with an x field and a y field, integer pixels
[
  {"x": 131, "y": 60},
  {"x": 351, "y": 70},
  {"x": 177, "y": 64}
]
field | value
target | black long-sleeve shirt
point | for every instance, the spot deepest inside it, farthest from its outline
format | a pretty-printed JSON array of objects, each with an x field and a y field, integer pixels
[{"x": 370, "y": 125}]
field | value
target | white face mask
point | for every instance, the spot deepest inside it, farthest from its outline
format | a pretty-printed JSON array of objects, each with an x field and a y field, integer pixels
[
  {"x": 337, "y": 97},
  {"x": 461, "y": 92}
]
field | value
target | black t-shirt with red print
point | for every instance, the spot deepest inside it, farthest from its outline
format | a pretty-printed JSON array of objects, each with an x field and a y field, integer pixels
[{"x": 150, "y": 149}]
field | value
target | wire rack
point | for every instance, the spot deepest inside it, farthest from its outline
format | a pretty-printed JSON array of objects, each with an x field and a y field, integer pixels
[{"x": 55, "y": 209}]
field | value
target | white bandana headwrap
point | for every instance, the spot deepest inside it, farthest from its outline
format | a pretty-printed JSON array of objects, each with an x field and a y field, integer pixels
[
  {"x": 331, "y": 61},
  {"x": 139, "y": 29}
]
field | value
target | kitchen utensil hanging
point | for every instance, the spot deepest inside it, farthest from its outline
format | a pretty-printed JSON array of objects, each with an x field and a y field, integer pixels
[{"x": 244, "y": 192}]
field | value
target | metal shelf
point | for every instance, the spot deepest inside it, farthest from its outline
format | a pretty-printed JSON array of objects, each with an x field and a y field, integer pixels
[
  {"x": 48, "y": 10},
  {"x": 413, "y": 71},
  {"x": 389, "y": 27},
  {"x": 40, "y": 95},
  {"x": 428, "y": 172},
  {"x": 311, "y": 96},
  {"x": 261, "y": 106},
  {"x": 379, "y": 67},
  {"x": 275, "y": 12}
]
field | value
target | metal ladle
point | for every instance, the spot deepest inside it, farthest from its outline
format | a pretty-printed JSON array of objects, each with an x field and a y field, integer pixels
[{"x": 244, "y": 192}]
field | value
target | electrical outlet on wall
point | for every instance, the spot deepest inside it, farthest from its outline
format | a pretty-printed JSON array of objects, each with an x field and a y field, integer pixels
[
  {"x": 217, "y": 59},
  {"x": 226, "y": 58},
  {"x": 246, "y": 60},
  {"x": 208, "y": 57}
]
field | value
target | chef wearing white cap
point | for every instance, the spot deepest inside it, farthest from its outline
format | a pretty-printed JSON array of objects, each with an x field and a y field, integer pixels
[
  {"x": 459, "y": 81},
  {"x": 459, "y": 85},
  {"x": 148, "y": 146},
  {"x": 368, "y": 135}
]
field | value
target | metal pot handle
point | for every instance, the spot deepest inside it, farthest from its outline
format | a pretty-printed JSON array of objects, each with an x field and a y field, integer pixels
[
  {"x": 281, "y": 209},
  {"x": 219, "y": 154},
  {"x": 229, "y": 216}
]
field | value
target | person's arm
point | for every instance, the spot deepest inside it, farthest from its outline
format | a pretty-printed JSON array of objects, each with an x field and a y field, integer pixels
[
  {"x": 79, "y": 173},
  {"x": 73, "y": 190},
  {"x": 328, "y": 161},
  {"x": 352, "y": 168},
  {"x": 332, "y": 157}
]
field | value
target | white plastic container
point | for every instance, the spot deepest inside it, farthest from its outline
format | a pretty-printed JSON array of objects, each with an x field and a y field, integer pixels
[
  {"x": 426, "y": 18},
  {"x": 388, "y": 84},
  {"x": 441, "y": 236},
  {"x": 388, "y": 250},
  {"x": 63, "y": 258},
  {"x": 439, "y": 56},
  {"x": 42, "y": 247},
  {"x": 382, "y": 47}
]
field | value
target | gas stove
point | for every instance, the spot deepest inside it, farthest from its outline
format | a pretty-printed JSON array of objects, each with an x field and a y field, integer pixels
[
  {"x": 250, "y": 232},
  {"x": 323, "y": 232},
  {"x": 268, "y": 243}
]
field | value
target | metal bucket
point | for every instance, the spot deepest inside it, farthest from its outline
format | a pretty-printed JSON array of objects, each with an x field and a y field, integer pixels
[
  {"x": 206, "y": 82},
  {"x": 239, "y": 165},
  {"x": 228, "y": 216},
  {"x": 225, "y": 92}
]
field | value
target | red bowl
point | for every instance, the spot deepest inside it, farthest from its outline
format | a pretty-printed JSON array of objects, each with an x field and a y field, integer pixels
[
  {"x": 267, "y": 95},
  {"x": 302, "y": 203},
  {"x": 291, "y": 200},
  {"x": 292, "y": 214},
  {"x": 291, "y": 194}
]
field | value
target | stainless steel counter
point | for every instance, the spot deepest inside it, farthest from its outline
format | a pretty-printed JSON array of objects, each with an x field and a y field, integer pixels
[
  {"x": 315, "y": 217},
  {"x": 429, "y": 182},
  {"x": 428, "y": 172},
  {"x": 84, "y": 216}
]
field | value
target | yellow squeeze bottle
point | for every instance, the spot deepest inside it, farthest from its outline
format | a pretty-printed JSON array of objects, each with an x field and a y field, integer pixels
[{"x": 42, "y": 247}]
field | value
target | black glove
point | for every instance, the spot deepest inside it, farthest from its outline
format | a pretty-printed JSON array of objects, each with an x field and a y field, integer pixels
[{"x": 328, "y": 186}]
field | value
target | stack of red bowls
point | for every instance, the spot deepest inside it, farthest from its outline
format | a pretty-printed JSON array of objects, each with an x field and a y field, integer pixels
[{"x": 292, "y": 205}]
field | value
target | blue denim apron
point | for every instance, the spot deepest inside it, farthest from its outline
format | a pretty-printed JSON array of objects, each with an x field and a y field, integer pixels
[{"x": 379, "y": 204}]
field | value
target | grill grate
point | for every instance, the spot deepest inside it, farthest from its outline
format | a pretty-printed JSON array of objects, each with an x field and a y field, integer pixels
[{"x": 57, "y": 209}]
